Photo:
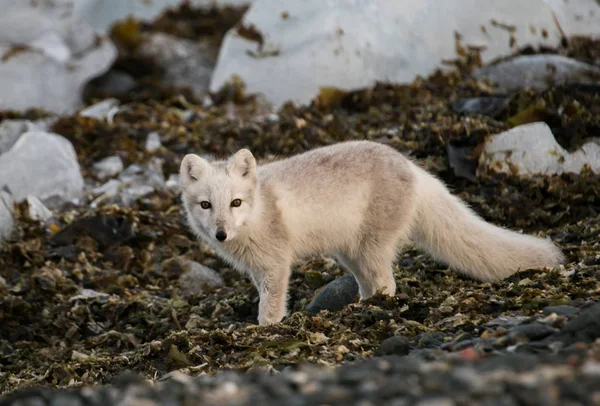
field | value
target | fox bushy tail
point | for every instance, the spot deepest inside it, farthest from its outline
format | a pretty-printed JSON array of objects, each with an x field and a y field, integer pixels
[{"x": 452, "y": 233}]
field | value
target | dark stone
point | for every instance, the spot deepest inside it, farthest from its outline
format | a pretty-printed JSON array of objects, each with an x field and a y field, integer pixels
[
  {"x": 583, "y": 327},
  {"x": 105, "y": 230},
  {"x": 488, "y": 106},
  {"x": 335, "y": 295},
  {"x": 398, "y": 345},
  {"x": 430, "y": 340},
  {"x": 534, "y": 331},
  {"x": 561, "y": 310}
]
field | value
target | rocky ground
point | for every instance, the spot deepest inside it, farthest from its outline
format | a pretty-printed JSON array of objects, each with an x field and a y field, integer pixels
[{"x": 114, "y": 285}]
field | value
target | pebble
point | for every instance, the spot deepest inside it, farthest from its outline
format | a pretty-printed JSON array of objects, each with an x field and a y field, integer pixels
[
  {"x": 397, "y": 345},
  {"x": 335, "y": 295}
]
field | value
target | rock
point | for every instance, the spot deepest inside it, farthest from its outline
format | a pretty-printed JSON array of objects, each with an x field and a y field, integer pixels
[
  {"x": 538, "y": 71},
  {"x": 11, "y": 130},
  {"x": 487, "y": 106},
  {"x": 7, "y": 221},
  {"x": 136, "y": 181},
  {"x": 100, "y": 110},
  {"x": 48, "y": 56},
  {"x": 561, "y": 310},
  {"x": 398, "y": 345},
  {"x": 104, "y": 229},
  {"x": 43, "y": 165},
  {"x": 37, "y": 209},
  {"x": 462, "y": 165},
  {"x": 184, "y": 63},
  {"x": 351, "y": 44},
  {"x": 102, "y": 14},
  {"x": 534, "y": 331},
  {"x": 197, "y": 279},
  {"x": 335, "y": 295},
  {"x": 108, "y": 167},
  {"x": 585, "y": 326},
  {"x": 113, "y": 82},
  {"x": 153, "y": 142},
  {"x": 531, "y": 149}
]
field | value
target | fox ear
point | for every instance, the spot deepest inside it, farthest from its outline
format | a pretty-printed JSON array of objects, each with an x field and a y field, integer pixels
[
  {"x": 242, "y": 163},
  {"x": 192, "y": 168}
]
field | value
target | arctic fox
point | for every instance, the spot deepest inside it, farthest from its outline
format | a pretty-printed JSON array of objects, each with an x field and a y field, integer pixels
[{"x": 360, "y": 202}]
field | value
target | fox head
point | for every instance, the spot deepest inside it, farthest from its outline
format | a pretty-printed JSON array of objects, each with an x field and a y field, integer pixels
[{"x": 219, "y": 196}]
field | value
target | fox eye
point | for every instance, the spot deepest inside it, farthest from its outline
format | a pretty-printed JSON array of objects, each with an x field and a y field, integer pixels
[
  {"x": 236, "y": 203},
  {"x": 205, "y": 205}
]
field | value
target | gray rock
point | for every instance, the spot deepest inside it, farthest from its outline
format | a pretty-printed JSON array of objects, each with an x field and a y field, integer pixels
[
  {"x": 534, "y": 331},
  {"x": 335, "y": 295},
  {"x": 137, "y": 181},
  {"x": 11, "y": 130},
  {"x": 561, "y": 310},
  {"x": 41, "y": 164},
  {"x": 398, "y": 345},
  {"x": 113, "y": 82},
  {"x": 197, "y": 278},
  {"x": 49, "y": 55},
  {"x": 585, "y": 326},
  {"x": 101, "y": 14},
  {"x": 480, "y": 105},
  {"x": 108, "y": 167},
  {"x": 185, "y": 63},
  {"x": 538, "y": 71}
]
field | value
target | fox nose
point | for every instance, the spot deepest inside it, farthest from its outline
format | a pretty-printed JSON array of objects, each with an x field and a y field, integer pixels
[{"x": 221, "y": 235}]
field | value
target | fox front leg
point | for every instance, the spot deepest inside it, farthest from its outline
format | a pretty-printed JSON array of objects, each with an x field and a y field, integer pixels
[{"x": 272, "y": 286}]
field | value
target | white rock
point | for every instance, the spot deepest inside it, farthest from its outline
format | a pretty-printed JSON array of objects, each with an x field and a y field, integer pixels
[
  {"x": 11, "y": 130},
  {"x": 7, "y": 221},
  {"x": 101, "y": 14},
  {"x": 153, "y": 142},
  {"x": 538, "y": 71},
  {"x": 352, "y": 44},
  {"x": 100, "y": 110},
  {"x": 41, "y": 164},
  {"x": 531, "y": 149},
  {"x": 108, "y": 167},
  {"x": 49, "y": 55},
  {"x": 37, "y": 209}
]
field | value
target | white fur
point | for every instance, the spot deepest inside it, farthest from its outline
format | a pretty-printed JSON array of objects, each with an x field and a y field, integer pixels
[{"x": 359, "y": 201}]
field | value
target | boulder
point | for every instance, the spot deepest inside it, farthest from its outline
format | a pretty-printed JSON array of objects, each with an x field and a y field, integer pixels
[
  {"x": 48, "y": 54},
  {"x": 288, "y": 50}
]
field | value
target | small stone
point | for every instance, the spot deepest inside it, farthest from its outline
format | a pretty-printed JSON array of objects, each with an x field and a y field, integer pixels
[
  {"x": 480, "y": 105},
  {"x": 153, "y": 142},
  {"x": 538, "y": 71},
  {"x": 100, "y": 110},
  {"x": 195, "y": 279},
  {"x": 585, "y": 326},
  {"x": 37, "y": 209},
  {"x": 108, "y": 167},
  {"x": 534, "y": 331},
  {"x": 561, "y": 310},
  {"x": 335, "y": 295},
  {"x": 398, "y": 345}
]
